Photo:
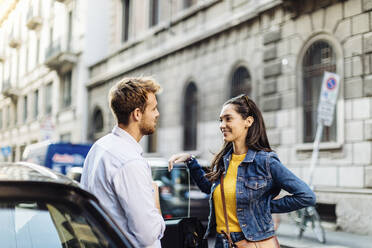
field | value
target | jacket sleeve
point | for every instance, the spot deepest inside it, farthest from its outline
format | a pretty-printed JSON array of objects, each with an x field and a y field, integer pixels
[
  {"x": 198, "y": 175},
  {"x": 134, "y": 191},
  {"x": 301, "y": 194}
]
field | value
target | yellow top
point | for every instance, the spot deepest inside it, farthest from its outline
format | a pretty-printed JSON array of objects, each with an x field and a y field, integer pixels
[{"x": 229, "y": 183}]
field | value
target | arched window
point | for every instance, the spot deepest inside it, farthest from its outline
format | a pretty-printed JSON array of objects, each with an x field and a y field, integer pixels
[
  {"x": 190, "y": 117},
  {"x": 97, "y": 121},
  {"x": 319, "y": 57},
  {"x": 241, "y": 82}
]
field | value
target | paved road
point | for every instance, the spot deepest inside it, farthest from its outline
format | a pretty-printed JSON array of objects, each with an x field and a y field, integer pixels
[{"x": 335, "y": 239}]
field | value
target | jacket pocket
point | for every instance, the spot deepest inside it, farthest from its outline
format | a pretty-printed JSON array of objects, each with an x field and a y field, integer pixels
[{"x": 255, "y": 183}]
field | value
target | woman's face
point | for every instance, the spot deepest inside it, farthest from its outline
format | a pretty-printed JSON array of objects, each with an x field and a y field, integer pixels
[{"x": 232, "y": 125}]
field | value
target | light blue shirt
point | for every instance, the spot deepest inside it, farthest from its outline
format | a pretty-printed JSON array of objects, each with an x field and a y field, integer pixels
[{"x": 117, "y": 174}]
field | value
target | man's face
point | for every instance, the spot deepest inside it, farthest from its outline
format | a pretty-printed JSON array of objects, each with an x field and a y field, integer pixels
[{"x": 150, "y": 115}]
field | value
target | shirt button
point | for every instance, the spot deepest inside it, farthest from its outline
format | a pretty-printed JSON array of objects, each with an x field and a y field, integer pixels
[
  {"x": 243, "y": 225},
  {"x": 239, "y": 209},
  {"x": 240, "y": 192}
]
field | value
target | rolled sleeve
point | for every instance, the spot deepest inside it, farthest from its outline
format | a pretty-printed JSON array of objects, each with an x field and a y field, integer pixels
[{"x": 133, "y": 187}]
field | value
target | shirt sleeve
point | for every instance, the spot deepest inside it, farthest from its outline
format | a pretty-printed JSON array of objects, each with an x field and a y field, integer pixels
[
  {"x": 301, "y": 194},
  {"x": 133, "y": 187}
]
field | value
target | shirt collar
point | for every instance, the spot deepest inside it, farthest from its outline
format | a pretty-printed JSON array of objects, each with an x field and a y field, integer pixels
[{"x": 124, "y": 134}]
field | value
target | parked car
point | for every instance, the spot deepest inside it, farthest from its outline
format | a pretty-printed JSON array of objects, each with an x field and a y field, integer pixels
[
  {"x": 66, "y": 158},
  {"x": 179, "y": 195},
  {"x": 43, "y": 208}
]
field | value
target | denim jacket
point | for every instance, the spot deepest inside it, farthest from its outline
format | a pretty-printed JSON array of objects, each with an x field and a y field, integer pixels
[{"x": 260, "y": 178}]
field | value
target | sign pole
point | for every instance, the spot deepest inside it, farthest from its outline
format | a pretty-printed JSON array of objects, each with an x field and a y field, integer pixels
[
  {"x": 326, "y": 107},
  {"x": 315, "y": 155}
]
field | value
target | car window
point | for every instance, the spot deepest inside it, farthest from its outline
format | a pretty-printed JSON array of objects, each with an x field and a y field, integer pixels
[
  {"x": 174, "y": 190},
  {"x": 48, "y": 225}
]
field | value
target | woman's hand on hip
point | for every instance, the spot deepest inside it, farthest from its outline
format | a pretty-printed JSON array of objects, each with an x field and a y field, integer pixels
[{"x": 178, "y": 158}]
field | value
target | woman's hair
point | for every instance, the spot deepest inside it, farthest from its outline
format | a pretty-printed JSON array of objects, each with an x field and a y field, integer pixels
[{"x": 256, "y": 136}]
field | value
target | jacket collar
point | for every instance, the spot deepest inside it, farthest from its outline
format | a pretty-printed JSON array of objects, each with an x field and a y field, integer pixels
[
  {"x": 249, "y": 157},
  {"x": 125, "y": 135}
]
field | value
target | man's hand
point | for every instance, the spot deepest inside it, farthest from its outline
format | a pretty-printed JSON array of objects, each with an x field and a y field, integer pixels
[{"x": 178, "y": 158}]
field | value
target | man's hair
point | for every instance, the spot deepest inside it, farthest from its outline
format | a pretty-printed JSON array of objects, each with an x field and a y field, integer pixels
[{"x": 129, "y": 94}]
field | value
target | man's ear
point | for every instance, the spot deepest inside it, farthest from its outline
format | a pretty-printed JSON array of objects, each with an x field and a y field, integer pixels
[
  {"x": 136, "y": 114},
  {"x": 249, "y": 121}
]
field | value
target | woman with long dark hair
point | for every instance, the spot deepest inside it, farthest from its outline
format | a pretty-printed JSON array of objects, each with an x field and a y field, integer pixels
[{"x": 244, "y": 178}]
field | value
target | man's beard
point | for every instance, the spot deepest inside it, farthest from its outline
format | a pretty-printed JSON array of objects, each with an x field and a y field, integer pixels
[{"x": 147, "y": 129}]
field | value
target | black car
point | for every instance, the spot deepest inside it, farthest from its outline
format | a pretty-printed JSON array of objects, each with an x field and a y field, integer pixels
[
  {"x": 42, "y": 208},
  {"x": 179, "y": 195}
]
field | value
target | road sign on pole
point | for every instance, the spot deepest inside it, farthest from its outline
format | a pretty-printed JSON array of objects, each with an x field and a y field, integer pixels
[
  {"x": 326, "y": 107},
  {"x": 328, "y": 98}
]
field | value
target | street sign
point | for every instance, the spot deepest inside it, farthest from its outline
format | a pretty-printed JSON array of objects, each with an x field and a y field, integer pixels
[
  {"x": 328, "y": 98},
  {"x": 6, "y": 151}
]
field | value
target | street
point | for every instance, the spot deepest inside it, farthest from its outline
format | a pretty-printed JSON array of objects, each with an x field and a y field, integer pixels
[{"x": 335, "y": 239}]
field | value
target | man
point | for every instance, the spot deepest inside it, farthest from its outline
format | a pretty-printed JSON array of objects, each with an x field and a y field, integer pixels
[{"x": 114, "y": 169}]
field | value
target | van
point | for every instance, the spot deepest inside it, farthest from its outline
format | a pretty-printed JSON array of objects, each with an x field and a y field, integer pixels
[{"x": 65, "y": 158}]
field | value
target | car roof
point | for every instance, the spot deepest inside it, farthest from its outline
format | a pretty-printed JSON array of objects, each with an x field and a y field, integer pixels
[
  {"x": 25, "y": 171},
  {"x": 163, "y": 162}
]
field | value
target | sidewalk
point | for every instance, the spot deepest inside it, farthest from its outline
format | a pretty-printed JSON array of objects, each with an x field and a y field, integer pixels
[{"x": 287, "y": 235}]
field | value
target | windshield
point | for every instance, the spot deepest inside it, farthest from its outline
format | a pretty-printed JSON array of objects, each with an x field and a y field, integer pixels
[
  {"x": 174, "y": 191},
  {"x": 48, "y": 225}
]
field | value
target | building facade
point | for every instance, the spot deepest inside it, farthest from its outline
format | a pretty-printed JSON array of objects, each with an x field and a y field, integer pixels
[
  {"x": 205, "y": 51},
  {"x": 43, "y": 68}
]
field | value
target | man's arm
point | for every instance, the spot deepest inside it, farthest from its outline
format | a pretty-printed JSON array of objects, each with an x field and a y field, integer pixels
[{"x": 135, "y": 192}]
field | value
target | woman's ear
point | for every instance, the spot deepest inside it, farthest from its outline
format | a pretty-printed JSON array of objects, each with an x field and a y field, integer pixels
[{"x": 249, "y": 121}]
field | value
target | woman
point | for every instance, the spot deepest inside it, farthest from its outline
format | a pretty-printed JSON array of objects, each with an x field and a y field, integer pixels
[{"x": 252, "y": 177}]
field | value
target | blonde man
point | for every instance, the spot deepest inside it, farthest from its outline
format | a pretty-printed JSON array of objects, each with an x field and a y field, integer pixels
[{"x": 115, "y": 170}]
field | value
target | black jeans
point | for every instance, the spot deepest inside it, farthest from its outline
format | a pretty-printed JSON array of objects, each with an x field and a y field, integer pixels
[{"x": 221, "y": 242}]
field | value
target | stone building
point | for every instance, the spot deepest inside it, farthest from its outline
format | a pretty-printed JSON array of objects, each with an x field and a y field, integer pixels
[
  {"x": 204, "y": 51},
  {"x": 44, "y": 52}
]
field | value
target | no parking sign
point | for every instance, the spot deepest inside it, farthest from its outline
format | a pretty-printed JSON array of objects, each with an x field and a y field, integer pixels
[{"x": 328, "y": 98}]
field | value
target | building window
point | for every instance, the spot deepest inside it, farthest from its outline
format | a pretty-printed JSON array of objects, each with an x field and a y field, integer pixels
[
  {"x": 36, "y": 103},
  {"x": 190, "y": 117},
  {"x": 241, "y": 82},
  {"x": 188, "y": 3},
  {"x": 125, "y": 20},
  {"x": 69, "y": 33},
  {"x": 26, "y": 59},
  {"x": 154, "y": 12},
  {"x": 48, "y": 98},
  {"x": 8, "y": 116},
  {"x": 37, "y": 52},
  {"x": 66, "y": 137},
  {"x": 97, "y": 121},
  {"x": 318, "y": 58},
  {"x": 66, "y": 90},
  {"x": 1, "y": 119},
  {"x": 25, "y": 107}
]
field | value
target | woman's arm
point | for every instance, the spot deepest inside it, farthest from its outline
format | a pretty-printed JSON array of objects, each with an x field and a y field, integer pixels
[
  {"x": 197, "y": 173},
  {"x": 302, "y": 195}
]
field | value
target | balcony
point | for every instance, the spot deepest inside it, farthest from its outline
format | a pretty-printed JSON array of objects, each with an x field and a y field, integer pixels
[
  {"x": 34, "y": 20},
  {"x": 58, "y": 57},
  {"x": 14, "y": 41},
  {"x": 9, "y": 91}
]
